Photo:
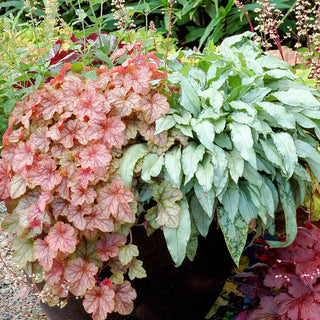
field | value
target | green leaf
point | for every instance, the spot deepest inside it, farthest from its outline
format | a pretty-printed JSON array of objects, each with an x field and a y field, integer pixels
[
  {"x": 235, "y": 164},
  {"x": 206, "y": 199},
  {"x": 272, "y": 154},
  {"x": 192, "y": 247},
  {"x": 189, "y": 98},
  {"x": 279, "y": 113},
  {"x": 205, "y": 173},
  {"x": 223, "y": 141},
  {"x": 168, "y": 210},
  {"x": 10, "y": 223},
  {"x": 297, "y": 97},
  {"x": 164, "y": 123},
  {"x": 184, "y": 118},
  {"x": 204, "y": 130},
  {"x": 151, "y": 167},
  {"x": 136, "y": 270},
  {"x": 242, "y": 139},
  {"x": 191, "y": 156},
  {"x": 23, "y": 252},
  {"x": 230, "y": 200},
  {"x": 127, "y": 253},
  {"x": 177, "y": 239},
  {"x": 311, "y": 155},
  {"x": 91, "y": 75},
  {"x": 88, "y": 252},
  {"x": 286, "y": 147},
  {"x": 200, "y": 217},
  {"x": 235, "y": 233},
  {"x": 289, "y": 209},
  {"x": 128, "y": 161},
  {"x": 247, "y": 209},
  {"x": 172, "y": 162}
]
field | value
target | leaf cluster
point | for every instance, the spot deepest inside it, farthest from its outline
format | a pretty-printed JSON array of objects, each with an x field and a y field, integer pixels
[{"x": 286, "y": 282}]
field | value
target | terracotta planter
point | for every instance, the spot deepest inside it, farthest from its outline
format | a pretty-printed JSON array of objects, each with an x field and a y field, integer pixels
[{"x": 169, "y": 293}]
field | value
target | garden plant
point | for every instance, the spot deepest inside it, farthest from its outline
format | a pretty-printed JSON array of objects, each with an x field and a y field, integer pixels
[{"x": 110, "y": 132}]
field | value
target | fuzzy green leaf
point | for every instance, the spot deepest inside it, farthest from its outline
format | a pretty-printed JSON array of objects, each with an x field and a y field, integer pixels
[
  {"x": 205, "y": 173},
  {"x": 206, "y": 199},
  {"x": 172, "y": 162},
  {"x": 151, "y": 167},
  {"x": 136, "y": 270},
  {"x": 177, "y": 239},
  {"x": 23, "y": 251},
  {"x": 128, "y": 161},
  {"x": 235, "y": 233},
  {"x": 127, "y": 253},
  {"x": 235, "y": 164},
  {"x": 204, "y": 130},
  {"x": 230, "y": 200},
  {"x": 164, "y": 123},
  {"x": 191, "y": 156}
]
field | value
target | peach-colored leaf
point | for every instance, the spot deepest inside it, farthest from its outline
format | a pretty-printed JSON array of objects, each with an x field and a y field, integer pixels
[
  {"x": 116, "y": 199},
  {"x": 109, "y": 132},
  {"x": 99, "y": 301},
  {"x": 92, "y": 105},
  {"x": 59, "y": 207},
  {"x": 43, "y": 173},
  {"x": 139, "y": 80},
  {"x": 124, "y": 296},
  {"x": 153, "y": 107},
  {"x": 98, "y": 220},
  {"x": 39, "y": 140},
  {"x": 95, "y": 157},
  {"x": 23, "y": 156},
  {"x": 74, "y": 129},
  {"x": 62, "y": 237},
  {"x": 44, "y": 254},
  {"x": 5, "y": 177},
  {"x": 82, "y": 195},
  {"x": 108, "y": 245},
  {"x": 77, "y": 215},
  {"x": 80, "y": 275},
  {"x": 84, "y": 176},
  {"x": 54, "y": 275},
  {"x": 52, "y": 101}
]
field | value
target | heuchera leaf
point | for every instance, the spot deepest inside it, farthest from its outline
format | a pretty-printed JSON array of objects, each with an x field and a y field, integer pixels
[
  {"x": 97, "y": 220},
  {"x": 115, "y": 200},
  {"x": 95, "y": 157},
  {"x": 43, "y": 173},
  {"x": 54, "y": 275},
  {"x": 5, "y": 177},
  {"x": 136, "y": 270},
  {"x": 76, "y": 214},
  {"x": 18, "y": 186},
  {"x": 23, "y": 156},
  {"x": 127, "y": 253},
  {"x": 99, "y": 301},
  {"x": 23, "y": 251},
  {"x": 168, "y": 210},
  {"x": 109, "y": 132},
  {"x": 44, "y": 254},
  {"x": 153, "y": 107},
  {"x": 80, "y": 195},
  {"x": 108, "y": 245},
  {"x": 124, "y": 297},
  {"x": 80, "y": 275},
  {"x": 62, "y": 237}
]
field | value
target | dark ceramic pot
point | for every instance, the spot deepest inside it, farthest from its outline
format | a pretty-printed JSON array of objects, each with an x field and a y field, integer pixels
[{"x": 169, "y": 293}]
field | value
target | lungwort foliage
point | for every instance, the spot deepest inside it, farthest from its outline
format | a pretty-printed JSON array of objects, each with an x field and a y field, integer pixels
[{"x": 245, "y": 133}]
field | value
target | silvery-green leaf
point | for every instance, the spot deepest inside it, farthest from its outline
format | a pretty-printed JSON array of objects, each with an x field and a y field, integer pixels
[
  {"x": 172, "y": 162},
  {"x": 211, "y": 114},
  {"x": 23, "y": 251},
  {"x": 200, "y": 217},
  {"x": 270, "y": 62},
  {"x": 252, "y": 175},
  {"x": 184, "y": 118},
  {"x": 241, "y": 117},
  {"x": 235, "y": 164},
  {"x": 240, "y": 105},
  {"x": 151, "y": 167},
  {"x": 177, "y": 239},
  {"x": 186, "y": 130},
  {"x": 255, "y": 95},
  {"x": 192, "y": 247},
  {"x": 219, "y": 125},
  {"x": 235, "y": 233},
  {"x": 242, "y": 139},
  {"x": 286, "y": 147},
  {"x": 297, "y": 97},
  {"x": 279, "y": 73},
  {"x": 267, "y": 199},
  {"x": 261, "y": 126},
  {"x": 205, "y": 173},
  {"x": 272, "y": 154},
  {"x": 255, "y": 195},
  {"x": 128, "y": 161},
  {"x": 264, "y": 165},
  {"x": 220, "y": 172},
  {"x": 302, "y": 172},
  {"x": 164, "y": 123},
  {"x": 279, "y": 113},
  {"x": 189, "y": 97},
  {"x": 230, "y": 200},
  {"x": 206, "y": 199},
  {"x": 304, "y": 121},
  {"x": 289, "y": 209},
  {"x": 247, "y": 209},
  {"x": 204, "y": 130},
  {"x": 191, "y": 156}
]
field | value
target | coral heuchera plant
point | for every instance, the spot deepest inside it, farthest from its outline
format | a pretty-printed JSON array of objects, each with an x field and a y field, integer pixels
[{"x": 67, "y": 204}]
